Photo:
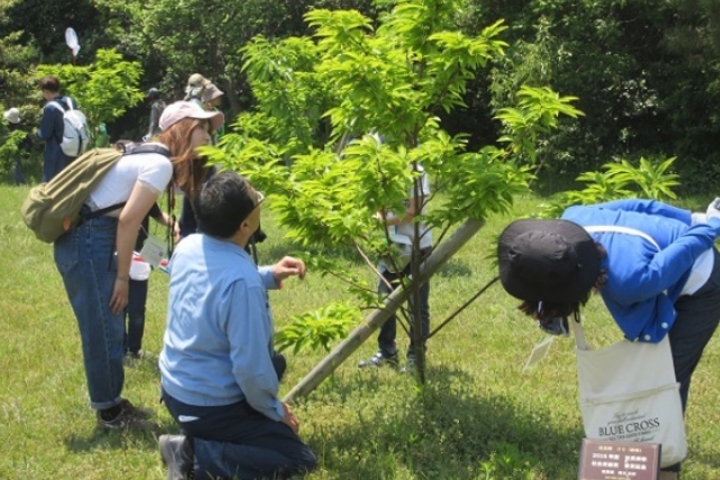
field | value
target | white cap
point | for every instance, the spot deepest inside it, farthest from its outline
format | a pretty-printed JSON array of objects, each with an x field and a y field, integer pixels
[
  {"x": 12, "y": 115},
  {"x": 177, "y": 111}
]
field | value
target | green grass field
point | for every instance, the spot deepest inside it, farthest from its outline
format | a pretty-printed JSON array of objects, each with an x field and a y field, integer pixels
[{"x": 480, "y": 416}]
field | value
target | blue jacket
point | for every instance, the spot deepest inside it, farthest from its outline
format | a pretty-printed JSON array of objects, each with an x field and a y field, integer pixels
[
  {"x": 51, "y": 131},
  {"x": 217, "y": 348},
  {"x": 644, "y": 283}
]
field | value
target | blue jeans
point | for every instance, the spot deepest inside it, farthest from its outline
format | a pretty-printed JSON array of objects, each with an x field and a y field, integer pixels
[
  {"x": 697, "y": 319},
  {"x": 135, "y": 313},
  {"x": 235, "y": 441},
  {"x": 388, "y": 331},
  {"x": 84, "y": 256}
]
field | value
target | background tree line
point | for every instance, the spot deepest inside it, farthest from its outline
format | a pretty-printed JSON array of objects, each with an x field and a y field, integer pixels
[{"x": 647, "y": 73}]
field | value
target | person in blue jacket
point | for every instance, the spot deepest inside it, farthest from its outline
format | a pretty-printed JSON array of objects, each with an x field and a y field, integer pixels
[
  {"x": 52, "y": 127},
  {"x": 554, "y": 265},
  {"x": 220, "y": 374}
]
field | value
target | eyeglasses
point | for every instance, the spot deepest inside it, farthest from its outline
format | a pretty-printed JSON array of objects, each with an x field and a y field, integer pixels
[{"x": 259, "y": 197}]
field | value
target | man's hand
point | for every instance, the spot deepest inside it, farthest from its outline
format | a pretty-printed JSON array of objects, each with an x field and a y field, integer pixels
[
  {"x": 290, "y": 419},
  {"x": 287, "y": 267}
]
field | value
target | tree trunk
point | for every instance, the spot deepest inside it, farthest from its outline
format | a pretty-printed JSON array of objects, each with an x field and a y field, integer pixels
[{"x": 378, "y": 316}]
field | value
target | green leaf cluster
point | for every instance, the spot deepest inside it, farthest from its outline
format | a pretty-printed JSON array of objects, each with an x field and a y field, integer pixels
[
  {"x": 9, "y": 150},
  {"x": 618, "y": 180},
  {"x": 345, "y": 119},
  {"x": 317, "y": 329}
]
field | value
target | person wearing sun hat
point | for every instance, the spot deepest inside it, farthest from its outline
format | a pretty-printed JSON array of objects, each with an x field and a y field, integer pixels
[
  {"x": 211, "y": 98},
  {"x": 196, "y": 85},
  {"x": 94, "y": 257},
  {"x": 554, "y": 265},
  {"x": 12, "y": 117}
]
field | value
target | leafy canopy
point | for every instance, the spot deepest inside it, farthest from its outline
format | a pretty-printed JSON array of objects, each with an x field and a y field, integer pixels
[{"x": 325, "y": 103}]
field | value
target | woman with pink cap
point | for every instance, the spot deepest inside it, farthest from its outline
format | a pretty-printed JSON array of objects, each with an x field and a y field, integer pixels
[{"x": 95, "y": 278}]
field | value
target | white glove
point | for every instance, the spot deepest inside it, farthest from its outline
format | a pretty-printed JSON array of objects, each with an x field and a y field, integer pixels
[
  {"x": 713, "y": 210},
  {"x": 697, "y": 218}
]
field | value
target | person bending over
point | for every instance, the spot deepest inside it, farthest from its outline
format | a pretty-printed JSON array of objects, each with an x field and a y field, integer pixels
[{"x": 655, "y": 266}]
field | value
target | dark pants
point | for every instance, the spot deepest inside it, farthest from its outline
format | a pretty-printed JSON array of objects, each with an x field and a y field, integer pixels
[
  {"x": 235, "y": 441},
  {"x": 135, "y": 315},
  {"x": 697, "y": 319},
  {"x": 18, "y": 175},
  {"x": 388, "y": 331}
]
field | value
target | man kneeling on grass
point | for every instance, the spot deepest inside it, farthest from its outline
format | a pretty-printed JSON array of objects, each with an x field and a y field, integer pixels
[{"x": 220, "y": 375}]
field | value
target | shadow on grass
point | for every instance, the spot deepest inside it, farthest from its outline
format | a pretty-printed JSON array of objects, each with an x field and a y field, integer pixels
[
  {"x": 448, "y": 430},
  {"x": 707, "y": 457},
  {"x": 454, "y": 268},
  {"x": 103, "y": 439}
]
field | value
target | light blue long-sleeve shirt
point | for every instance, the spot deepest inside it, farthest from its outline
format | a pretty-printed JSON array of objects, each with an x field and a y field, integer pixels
[
  {"x": 644, "y": 282},
  {"x": 218, "y": 340}
]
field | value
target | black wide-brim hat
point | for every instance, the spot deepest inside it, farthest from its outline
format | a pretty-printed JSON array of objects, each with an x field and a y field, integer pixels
[{"x": 547, "y": 260}]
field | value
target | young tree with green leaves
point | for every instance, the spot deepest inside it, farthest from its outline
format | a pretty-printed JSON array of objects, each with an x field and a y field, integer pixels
[{"x": 354, "y": 78}]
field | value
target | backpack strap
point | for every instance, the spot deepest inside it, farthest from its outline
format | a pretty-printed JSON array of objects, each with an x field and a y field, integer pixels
[
  {"x": 132, "y": 149},
  {"x": 57, "y": 105},
  {"x": 135, "y": 148}
]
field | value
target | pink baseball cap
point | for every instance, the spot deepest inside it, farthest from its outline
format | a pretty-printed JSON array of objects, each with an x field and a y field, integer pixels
[{"x": 177, "y": 111}]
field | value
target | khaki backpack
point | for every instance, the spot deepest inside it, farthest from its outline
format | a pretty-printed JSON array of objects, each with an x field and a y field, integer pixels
[{"x": 53, "y": 208}]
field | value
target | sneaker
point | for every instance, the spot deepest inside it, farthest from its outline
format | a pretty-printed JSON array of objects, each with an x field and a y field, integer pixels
[
  {"x": 129, "y": 417},
  {"x": 177, "y": 455},
  {"x": 378, "y": 360},
  {"x": 410, "y": 366}
]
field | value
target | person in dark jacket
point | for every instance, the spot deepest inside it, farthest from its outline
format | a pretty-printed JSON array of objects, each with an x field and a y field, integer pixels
[
  {"x": 52, "y": 127},
  {"x": 156, "y": 109}
]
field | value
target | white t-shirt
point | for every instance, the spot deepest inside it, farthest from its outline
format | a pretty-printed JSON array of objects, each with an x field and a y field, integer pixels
[
  {"x": 153, "y": 170},
  {"x": 408, "y": 229}
]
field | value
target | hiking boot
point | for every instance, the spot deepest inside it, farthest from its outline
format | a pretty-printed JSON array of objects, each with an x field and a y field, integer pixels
[
  {"x": 379, "y": 360},
  {"x": 128, "y": 417},
  {"x": 177, "y": 455}
]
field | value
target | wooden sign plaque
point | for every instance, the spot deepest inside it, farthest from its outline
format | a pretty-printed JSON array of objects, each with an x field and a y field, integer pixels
[{"x": 604, "y": 460}]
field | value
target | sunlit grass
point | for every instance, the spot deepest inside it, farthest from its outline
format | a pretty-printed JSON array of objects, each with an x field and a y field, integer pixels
[{"x": 480, "y": 416}]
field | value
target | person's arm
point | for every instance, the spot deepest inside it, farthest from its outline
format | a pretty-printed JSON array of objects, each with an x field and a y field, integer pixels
[
  {"x": 414, "y": 204},
  {"x": 249, "y": 333},
  {"x": 667, "y": 266},
  {"x": 273, "y": 275},
  {"x": 48, "y": 123},
  {"x": 166, "y": 220},
  {"x": 137, "y": 207},
  {"x": 650, "y": 207}
]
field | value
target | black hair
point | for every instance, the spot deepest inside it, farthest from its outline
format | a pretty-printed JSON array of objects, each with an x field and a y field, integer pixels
[
  {"x": 223, "y": 203},
  {"x": 546, "y": 312}
]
